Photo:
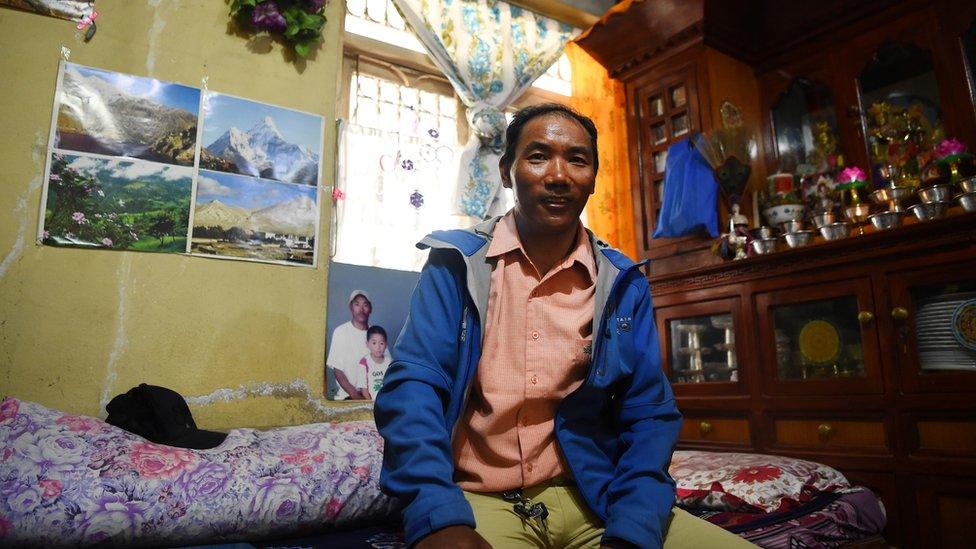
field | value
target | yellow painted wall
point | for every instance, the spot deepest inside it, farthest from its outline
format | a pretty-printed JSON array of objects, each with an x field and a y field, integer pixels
[{"x": 80, "y": 326}]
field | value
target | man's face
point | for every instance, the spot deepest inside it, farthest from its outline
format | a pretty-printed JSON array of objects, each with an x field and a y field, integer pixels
[
  {"x": 361, "y": 308},
  {"x": 552, "y": 173},
  {"x": 377, "y": 345}
]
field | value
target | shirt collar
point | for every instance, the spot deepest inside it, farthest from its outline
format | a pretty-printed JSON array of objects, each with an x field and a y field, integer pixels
[{"x": 505, "y": 239}]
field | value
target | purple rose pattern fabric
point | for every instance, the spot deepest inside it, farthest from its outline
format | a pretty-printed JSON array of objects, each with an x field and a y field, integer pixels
[
  {"x": 70, "y": 480},
  {"x": 749, "y": 483}
]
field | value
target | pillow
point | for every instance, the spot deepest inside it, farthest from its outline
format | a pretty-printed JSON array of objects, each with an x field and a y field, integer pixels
[
  {"x": 749, "y": 483},
  {"x": 71, "y": 480}
]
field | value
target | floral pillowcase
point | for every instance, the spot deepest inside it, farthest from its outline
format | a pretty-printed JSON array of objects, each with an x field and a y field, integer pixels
[
  {"x": 70, "y": 480},
  {"x": 749, "y": 483}
]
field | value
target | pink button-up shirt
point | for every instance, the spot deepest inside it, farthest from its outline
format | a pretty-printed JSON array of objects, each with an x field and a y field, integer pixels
[{"x": 536, "y": 350}]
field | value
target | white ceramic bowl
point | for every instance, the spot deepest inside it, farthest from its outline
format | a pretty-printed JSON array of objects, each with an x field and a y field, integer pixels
[{"x": 784, "y": 212}]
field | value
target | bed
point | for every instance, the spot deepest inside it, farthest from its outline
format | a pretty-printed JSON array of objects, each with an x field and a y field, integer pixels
[{"x": 69, "y": 480}]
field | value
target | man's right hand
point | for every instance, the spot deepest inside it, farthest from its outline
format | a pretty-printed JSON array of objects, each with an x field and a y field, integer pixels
[{"x": 461, "y": 537}]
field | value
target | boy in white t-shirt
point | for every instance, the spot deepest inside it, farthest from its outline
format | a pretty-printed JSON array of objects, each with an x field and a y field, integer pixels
[{"x": 376, "y": 362}]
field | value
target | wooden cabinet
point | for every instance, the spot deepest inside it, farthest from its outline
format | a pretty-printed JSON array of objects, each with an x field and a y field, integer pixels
[
  {"x": 846, "y": 353},
  {"x": 843, "y": 351}
]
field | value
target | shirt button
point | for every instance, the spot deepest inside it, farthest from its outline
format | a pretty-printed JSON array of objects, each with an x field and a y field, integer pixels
[
  {"x": 534, "y": 380},
  {"x": 535, "y": 335},
  {"x": 528, "y": 467}
]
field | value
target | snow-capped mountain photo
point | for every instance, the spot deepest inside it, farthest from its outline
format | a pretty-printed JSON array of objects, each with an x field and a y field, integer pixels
[
  {"x": 116, "y": 114},
  {"x": 250, "y": 218},
  {"x": 260, "y": 140}
]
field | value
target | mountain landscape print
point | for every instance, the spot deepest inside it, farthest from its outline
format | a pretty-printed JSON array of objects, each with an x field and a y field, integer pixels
[
  {"x": 117, "y": 203},
  {"x": 115, "y": 114},
  {"x": 259, "y": 140},
  {"x": 248, "y": 218}
]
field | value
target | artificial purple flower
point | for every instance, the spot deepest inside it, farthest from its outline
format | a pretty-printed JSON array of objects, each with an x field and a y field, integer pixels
[
  {"x": 266, "y": 16},
  {"x": 106, "y": 242},
  {"x": 79, "y": 218},
  {"x": 315, "y": 6},
  {"x": 416, "y": 200}
]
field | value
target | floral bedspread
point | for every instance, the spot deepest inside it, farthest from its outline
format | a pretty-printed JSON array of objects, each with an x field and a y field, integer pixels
[
  {"x": 71, "y": 480},
  {"x": 749, "y": 483}
]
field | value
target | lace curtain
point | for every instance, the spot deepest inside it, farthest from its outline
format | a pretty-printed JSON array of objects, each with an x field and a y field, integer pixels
[{"x": 491, "y": 52}]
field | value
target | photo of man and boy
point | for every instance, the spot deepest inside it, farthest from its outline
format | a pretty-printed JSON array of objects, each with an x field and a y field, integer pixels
[{"x": 358, "y": 355}]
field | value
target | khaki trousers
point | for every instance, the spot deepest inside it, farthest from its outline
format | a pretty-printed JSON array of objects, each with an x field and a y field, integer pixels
[{"x": 571, "y": 525}]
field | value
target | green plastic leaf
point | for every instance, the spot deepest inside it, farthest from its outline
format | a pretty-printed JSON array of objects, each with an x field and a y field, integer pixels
[{"x": 302, "y": 49}]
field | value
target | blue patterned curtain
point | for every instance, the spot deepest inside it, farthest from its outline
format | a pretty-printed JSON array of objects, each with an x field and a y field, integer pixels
[{"x": 491, "y": 52}]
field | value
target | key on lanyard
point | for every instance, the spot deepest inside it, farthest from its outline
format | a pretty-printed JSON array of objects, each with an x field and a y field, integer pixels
[{"x": 524, "y": 507}]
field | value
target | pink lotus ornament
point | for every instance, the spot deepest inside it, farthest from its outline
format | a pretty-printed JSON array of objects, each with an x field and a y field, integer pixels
[
  {"x": 853, "y": 177},
  {"x": 949, "y": 147}
]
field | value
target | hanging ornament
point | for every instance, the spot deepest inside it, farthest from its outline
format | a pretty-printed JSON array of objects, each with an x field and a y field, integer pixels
[
  {"x": 433, "y": 133},
  {"x": 416, "y": 199},
  {"x": 407, "y": 165},
  {"x": 337, "y": 194}
]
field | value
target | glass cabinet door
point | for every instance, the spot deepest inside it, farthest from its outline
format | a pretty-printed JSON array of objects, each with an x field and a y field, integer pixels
[
  {"x": 820, "y": 335},
  {"x": 703, "y": 349},
  {"x": 700, "y": 346},
  {"x": 900, "y": 98},
  {"x": 933, "y": 319},
  {"x": 805, "y": 127}
]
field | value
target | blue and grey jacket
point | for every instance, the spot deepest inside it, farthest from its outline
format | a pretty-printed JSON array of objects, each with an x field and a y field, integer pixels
[{"x": 616, "y": 431}]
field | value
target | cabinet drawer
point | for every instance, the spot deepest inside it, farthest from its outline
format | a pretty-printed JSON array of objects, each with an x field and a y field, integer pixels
[
  {"x": 831, "y": 434},
  {"x": 945, "y": 437},
  {"x": 724, "y": 429}
]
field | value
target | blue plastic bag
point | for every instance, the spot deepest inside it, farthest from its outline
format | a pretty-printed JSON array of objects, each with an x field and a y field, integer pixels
[{"x": 690, "y": 194}]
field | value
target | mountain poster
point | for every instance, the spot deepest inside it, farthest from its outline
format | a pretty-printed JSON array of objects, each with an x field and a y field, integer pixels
[
  {"x": 260, "y": 140},
  {"x": 115, "y": 114}
]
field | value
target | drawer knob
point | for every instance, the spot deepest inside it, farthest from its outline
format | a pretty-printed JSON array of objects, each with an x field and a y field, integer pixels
[
  {"x": 825, "y": 430},
  {"x": 899, "y": 313},
  {"x": 865, "y": 317},
  {"x": 705, "y": 427}
]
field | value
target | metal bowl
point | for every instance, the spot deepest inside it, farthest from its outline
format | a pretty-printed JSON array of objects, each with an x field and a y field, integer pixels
[
  {"x": 792, "y": 226},
  {"x": 968, "y": 185},
  {"x": 858, "y": 213},
  {"x": 834, "y": 231},
  {"x": 935, "y": 193},
  {"x": 967, "y": 201},
  {"x": 823, "y": 218},
  {"x": 764, "y": 245},
  {"x": 887, "y": 194},
  {"x": 885, "y": 220},
  {"x": 761, "y": 232},
  {"x": 798, "y": 239},
  {"x": 928, "y": 211}
]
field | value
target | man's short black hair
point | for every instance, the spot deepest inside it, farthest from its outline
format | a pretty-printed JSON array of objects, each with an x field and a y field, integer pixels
[
  {"x": 523, "y": 116},
  {"x": 375, "y": 330}
]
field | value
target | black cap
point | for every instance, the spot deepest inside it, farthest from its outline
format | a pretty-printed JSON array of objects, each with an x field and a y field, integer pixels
[{"x": 160, "y": 415}]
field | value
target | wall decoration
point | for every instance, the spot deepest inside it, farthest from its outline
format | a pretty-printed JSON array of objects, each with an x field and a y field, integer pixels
[
  {"x": 73, "y": 10},
  {"x": 250, "y": 218},
  {"x": 260, "y": 140},
  {"x": 127, "y": 170},
  {"x": 388, "y": 292},
  {"x": 117, "y": 114},
  {"x": 113, "y": 203},
  {"x": 298, "y": 22}
]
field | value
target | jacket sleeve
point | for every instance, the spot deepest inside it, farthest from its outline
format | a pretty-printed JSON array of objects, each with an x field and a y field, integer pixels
[
  {"x": 411, "y": 409},
  {"x": 641, "y": 493}
]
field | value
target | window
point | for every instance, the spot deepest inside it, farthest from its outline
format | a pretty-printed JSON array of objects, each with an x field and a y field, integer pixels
[{"x": 403, "y": 136}]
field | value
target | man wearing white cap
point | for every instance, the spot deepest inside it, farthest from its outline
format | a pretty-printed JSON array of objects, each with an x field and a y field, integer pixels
[{"x": 348, "y": 346}]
